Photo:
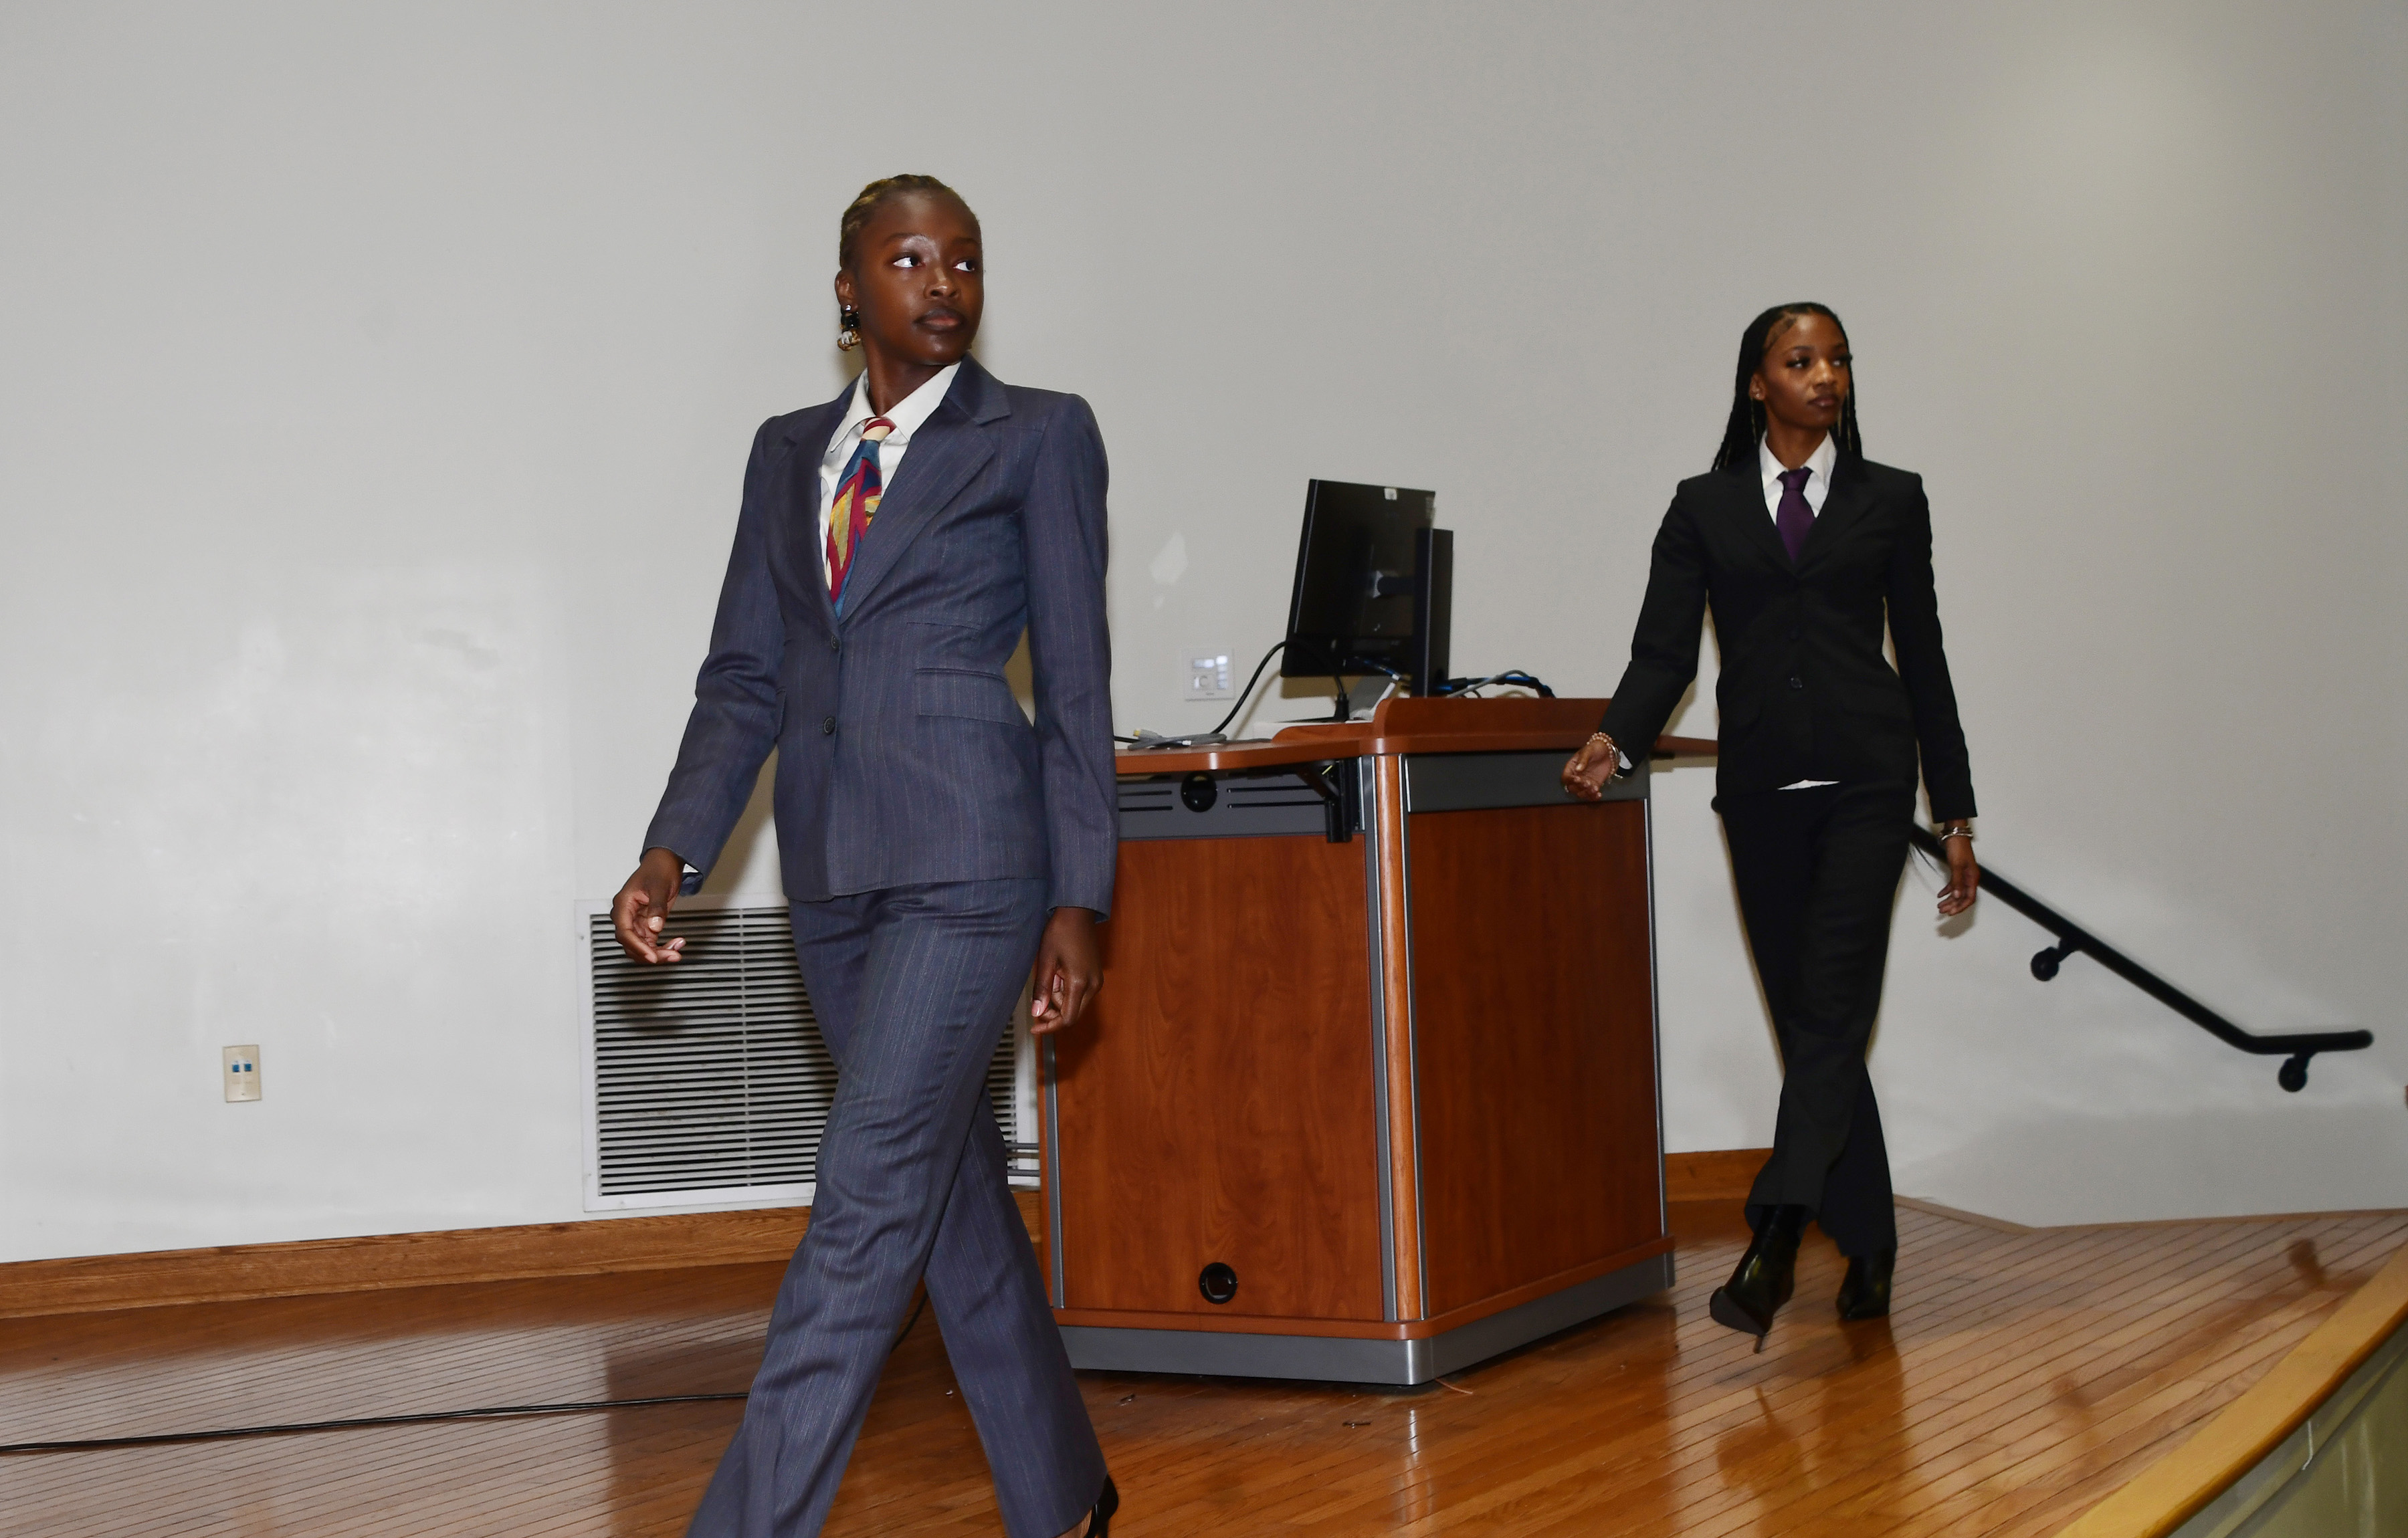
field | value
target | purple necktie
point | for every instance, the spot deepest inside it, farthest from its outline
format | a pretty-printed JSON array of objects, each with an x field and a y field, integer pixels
[{"x": 1795, "y": 521}]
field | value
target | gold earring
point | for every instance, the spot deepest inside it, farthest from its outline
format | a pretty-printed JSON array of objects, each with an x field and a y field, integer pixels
[{"x": 848, "y": 334}]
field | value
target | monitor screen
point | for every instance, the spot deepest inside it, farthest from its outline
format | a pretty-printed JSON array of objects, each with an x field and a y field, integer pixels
[{"x": 1354, "y": 596}]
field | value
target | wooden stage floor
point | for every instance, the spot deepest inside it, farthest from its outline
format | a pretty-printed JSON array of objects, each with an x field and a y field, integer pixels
[{"x": 2024, "y": 1374}]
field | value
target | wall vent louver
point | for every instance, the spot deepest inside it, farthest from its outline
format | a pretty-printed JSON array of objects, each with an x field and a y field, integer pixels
[{"x": 709, "y": 1082}]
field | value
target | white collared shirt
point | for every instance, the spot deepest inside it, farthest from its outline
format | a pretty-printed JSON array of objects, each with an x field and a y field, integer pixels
[
  {"x": 908, "y": 414},
  {"x": 1818, "y": 485}
]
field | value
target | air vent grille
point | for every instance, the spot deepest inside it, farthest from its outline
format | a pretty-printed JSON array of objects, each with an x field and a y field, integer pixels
[{"x": 709, "y": 1077}]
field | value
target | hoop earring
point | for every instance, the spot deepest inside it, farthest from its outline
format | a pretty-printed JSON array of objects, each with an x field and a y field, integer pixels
[{"x": 847, "y": 333}]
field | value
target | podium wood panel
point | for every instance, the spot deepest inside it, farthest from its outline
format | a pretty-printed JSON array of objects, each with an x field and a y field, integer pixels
[
  {"x": 1534, "y": 1034},
  {"x": 1223, "y": 1107}
]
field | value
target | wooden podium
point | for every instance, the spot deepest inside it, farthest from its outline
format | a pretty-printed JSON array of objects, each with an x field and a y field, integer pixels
[{"x": 1371, "y": 1090}]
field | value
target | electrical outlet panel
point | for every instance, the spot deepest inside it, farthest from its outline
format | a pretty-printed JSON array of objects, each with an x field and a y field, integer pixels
[
  {"x": 1208, "y": 677},
  {"x": 241, "y": 1073}
]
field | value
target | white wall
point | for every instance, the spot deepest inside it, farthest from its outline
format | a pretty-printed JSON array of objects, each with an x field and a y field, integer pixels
[{"x": 375, "y": 384}]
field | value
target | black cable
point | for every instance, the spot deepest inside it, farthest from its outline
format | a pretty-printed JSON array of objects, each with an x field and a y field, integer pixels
[
  {"x": 491, "y": 1411},
  {"x": 1368, "y": 666},
  {"x": 1244, "y": 694},
  {"x": 1233, "y": 710},
  {"x": 1515, "y": 677},
  {"x": 357, "y": 1422},
  {"x": 494, "y": 1412},
  {"x": 1529, "y": 680}
]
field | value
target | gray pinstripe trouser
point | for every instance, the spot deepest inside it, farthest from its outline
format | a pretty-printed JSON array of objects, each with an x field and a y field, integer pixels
[{"x": 911, "y": 986}]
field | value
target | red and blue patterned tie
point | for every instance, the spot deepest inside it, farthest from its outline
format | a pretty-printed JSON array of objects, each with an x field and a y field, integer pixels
[{"x": 858, "y": 491}]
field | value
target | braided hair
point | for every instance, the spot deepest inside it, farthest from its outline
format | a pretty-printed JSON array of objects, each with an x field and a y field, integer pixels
[
  {"x": 857, "y": 213},
  {"x": 1746, "y": 424}
]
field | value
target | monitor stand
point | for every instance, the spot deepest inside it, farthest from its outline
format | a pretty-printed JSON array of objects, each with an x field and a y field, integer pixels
[{"x": 1345, "y": 706}]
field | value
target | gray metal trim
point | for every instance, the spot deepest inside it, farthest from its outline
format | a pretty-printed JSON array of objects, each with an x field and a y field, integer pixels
[
  {"x": 1654, "y": 1013},
  {"x": 1249, "y": 805},
  {"x": 1332, "y": 1359},
  {"x": 1387, "y": 1179},
  {"x": 1465, "y": 782},
  {"x": 1412, "y": 1053},
  {"x": 1054, "y": 1182},
  {"x": 1482, "y": 1339}
]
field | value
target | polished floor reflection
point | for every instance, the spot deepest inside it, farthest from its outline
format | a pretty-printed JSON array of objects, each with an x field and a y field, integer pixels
[{"x": 2023, "y": 1374}]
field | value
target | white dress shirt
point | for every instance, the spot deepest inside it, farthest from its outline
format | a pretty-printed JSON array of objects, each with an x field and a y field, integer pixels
[
  {"x": 1818, "y": 487},
  {"x": 908, "y": 414}
]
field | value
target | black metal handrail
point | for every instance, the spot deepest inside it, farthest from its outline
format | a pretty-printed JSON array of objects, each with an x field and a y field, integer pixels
[{"x": 2296, "y": 1047}]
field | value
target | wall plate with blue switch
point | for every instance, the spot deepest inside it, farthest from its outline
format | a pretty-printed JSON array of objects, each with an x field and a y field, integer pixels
[
  {"x": 1208, "y": 674},
  {"x": 242, "y": 1073}
]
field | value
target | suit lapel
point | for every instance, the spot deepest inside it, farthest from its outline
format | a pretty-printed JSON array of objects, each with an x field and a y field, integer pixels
[
  {"x": 1755, "y": 525},
  {"x": 1851, "y": 496},
  {"x": 948, "y": 449},
  {"x": 809, "y": 437}
]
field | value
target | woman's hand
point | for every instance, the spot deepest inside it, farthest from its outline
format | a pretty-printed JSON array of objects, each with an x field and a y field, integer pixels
[
  {"x": 642, "y": 906},
  {"x": 1589, "y": 769},
  {"x": 1069, "y": 970},
  {"x": 1964, "y": 876}
]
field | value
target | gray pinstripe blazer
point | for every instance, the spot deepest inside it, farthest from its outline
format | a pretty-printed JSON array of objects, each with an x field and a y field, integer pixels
[{"x": 902, "y": 756}]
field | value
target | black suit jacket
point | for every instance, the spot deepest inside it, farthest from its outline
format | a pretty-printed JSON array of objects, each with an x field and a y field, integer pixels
[{"x": 1805, "y": 693}]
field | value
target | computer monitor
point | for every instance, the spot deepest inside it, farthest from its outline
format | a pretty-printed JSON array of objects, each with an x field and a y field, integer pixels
[{"x": 1373, "y": 586}]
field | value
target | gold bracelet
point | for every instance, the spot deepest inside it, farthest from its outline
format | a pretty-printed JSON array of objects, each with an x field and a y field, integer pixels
[{"x": 1612, "y": 755}]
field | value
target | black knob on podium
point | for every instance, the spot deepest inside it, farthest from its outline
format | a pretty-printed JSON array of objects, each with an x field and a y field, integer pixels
[
  {"x": 1217, "y": 1282},
  {"x": 1198, "y": 791}
]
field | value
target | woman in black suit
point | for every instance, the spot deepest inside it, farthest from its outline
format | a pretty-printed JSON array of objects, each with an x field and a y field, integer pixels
[{"x": 1806, "y": 551}]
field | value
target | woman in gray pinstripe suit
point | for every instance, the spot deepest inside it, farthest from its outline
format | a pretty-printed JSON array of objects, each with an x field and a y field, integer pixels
[{"x": 893, "y": 546}]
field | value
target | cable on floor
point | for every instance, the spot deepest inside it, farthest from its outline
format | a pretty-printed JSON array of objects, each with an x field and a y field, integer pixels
[{"x": 491, "y": 1412}]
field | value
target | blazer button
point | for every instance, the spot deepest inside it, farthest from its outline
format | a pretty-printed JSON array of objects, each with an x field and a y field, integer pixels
[
  {"x": 827, "y": 724},
  {"x": 835, "y": 645},
  {"x": 1796, "y": 682}
]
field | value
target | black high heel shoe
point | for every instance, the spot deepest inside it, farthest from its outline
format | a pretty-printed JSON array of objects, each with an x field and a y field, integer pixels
[
  {"x": 1101, "y": 1524},
  {"x": 1764, "y": 1277},
  {"x": 1864, "y": 1292}
]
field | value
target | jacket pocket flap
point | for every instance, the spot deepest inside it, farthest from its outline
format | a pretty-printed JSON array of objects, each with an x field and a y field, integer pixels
[{"x": 960, "y": 692}]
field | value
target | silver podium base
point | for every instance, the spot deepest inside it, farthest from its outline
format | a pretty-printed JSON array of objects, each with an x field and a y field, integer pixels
[{"x": 1335, "y": 1360}]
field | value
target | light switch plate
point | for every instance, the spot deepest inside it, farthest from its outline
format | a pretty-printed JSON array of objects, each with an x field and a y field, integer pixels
[
  {"x": 1208, "y": 676},
  {"x": 242, "y": 1073}
]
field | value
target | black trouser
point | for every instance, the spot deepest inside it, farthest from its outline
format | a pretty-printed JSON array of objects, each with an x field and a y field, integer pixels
[{"x": 1817, "y": 871}]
